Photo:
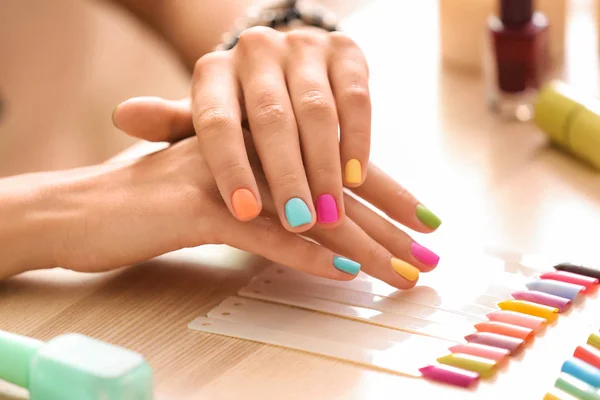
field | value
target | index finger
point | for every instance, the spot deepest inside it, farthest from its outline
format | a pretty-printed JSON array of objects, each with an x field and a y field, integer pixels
[{"x": 395, "y": 201}]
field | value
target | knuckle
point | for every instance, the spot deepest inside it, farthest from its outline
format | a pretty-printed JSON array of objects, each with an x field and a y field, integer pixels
[
  {"x": 270, "y": 113},
  {"x": 269, "y": 229},
  {"x": 375, "y": 252},
  {"x": 300, "y": 38},
  {"x": 314, "y": 103},
  {"x": 325, "y": 170},
  {"x": 208, "y": 59},
  {"x": 357, "y": 95},
  {"x": 212, "y": 121},
  {"x": 257, "y": 36},
  {"x": 339, "y": 39},
  {"x": 231, "y": 170},
  {"x": 287, "y": 180}
]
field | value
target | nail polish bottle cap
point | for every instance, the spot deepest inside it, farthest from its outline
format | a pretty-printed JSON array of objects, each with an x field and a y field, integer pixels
[
  {"x": 571, "y": 120},
  {"x": 516, "y": 12}
]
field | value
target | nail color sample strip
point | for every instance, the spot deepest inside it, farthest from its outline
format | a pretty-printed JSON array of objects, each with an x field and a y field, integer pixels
[{"x": 519, "y": 320}]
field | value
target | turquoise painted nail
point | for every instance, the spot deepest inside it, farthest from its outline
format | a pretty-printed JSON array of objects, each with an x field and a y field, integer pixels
[
  {"x": 345, "y": 265},
  {"x": 297, "y": 212}
]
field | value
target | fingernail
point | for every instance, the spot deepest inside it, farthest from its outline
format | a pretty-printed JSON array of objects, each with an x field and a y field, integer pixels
[
  {"x": 493, "y": 339},
  {"x": 526, "y": 307},
  {"x": 327, "y": 212},
  {"x": 353, "y": 171},
  {"x": 589, "y": 354},
  {"x": 546, "y": 299},
  {"x": 450, "y": 375},
  {"x": 586, "y": 281},
  {"x": 481, "y": 350},
  {"x": 575, "y": 387},
  {"x": 427, "y": 217},
  {"x": 594, "y": 340},
  {"x": 112, "y": 117},
  {"x": 424, "y": 255},
  {"x": 244, "y": 204},
  {"x": 346, "y": 265},
  {"x": 582, "y": 371},
  {"x": 483, "y": 366},
  {"x": 517, "y": 318},
  {"x": 505, "y": 329},
  {"x": 405, "y": 270},
  {"x": 297, "y": 212},
  {"x": 562, "y": 289},
  {"x": 578, "y": 269}
]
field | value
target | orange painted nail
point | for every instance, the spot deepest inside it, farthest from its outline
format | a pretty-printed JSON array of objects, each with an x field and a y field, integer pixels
[
  {"x": 505, "y": 329},
  {"x": 244, "y": 204}
]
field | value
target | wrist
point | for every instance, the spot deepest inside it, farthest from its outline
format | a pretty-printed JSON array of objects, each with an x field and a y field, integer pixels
[{"x": 26, "y": 240}]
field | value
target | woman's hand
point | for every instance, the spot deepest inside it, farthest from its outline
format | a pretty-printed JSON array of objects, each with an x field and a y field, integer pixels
[
  {"x": 292, "y": 89},
  {"x": 385, "y": 252}
]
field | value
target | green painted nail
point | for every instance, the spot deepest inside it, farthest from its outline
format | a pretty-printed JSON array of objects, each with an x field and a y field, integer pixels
[
  {"x": 427, "y": 217},
  {"x": 345, "y": 265},
  {"x": 297, "y": 212}
]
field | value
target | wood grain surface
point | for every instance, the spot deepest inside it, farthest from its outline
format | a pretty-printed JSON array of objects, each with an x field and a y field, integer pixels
[{"x": 492, "y": 182}]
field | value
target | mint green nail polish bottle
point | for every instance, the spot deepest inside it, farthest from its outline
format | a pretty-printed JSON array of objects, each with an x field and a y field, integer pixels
[{"x": 74, "y": 366}]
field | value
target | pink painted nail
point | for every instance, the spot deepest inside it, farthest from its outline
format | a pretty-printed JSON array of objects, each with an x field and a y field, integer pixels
[
  {"x": 424, "y": 255},
  {"x": 516, "y": 318},
  {"x": 588, "y": 282},
  {"x": 327, "y": 212},
  {"x": 481, "y": 350},
  {"x": 543, "y": 298},
  {"x": 450, "y": 375},
  {"x": 495, "y": 340}
]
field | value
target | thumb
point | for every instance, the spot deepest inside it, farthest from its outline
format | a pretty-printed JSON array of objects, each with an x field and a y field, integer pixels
[{"x": 155, "y": 119}]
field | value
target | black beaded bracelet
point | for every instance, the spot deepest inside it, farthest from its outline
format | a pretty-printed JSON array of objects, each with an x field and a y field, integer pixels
[{"x": 287, "y": 13}]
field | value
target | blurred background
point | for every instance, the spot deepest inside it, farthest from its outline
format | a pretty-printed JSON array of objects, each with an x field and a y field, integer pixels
[{"x": 437, "y": 69}]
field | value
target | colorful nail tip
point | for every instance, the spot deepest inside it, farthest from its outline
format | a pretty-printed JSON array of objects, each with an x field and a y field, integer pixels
[
  {"x": 550, "y": 314},
  {"x": 346, "y": 265},
  {"x": 502, "y": 328},
  {"x": 582, "y": 371},
  {"x": 576, "y": 388},
  {"x": 483, "y": 366},
  {"x": 424, "y": 255},
  {"x": 545, "y": 299},
  {"x": 594, "y": 340},
  {"x": 327, "y": 212},
  {"x": 588, "y": 354},
  {"x": 297, "y": 213},
  {"x": 517, "y": 318},
  {"x": 450, "y": 375},
  {"x": 578, "y": 269},
  {"x": 405, "y": 270},
  {"x": 427, "y": 217},
  {"x": 493, "y": 339},
  {"x": 587, "y": 282},
  {"x": 481, "y": 350},
  {"x": 551, "y": 396},
  {"x": 557, "y": 288},
  {"x": 244, "y": 204},
  {"x": 353, "y": 171}
]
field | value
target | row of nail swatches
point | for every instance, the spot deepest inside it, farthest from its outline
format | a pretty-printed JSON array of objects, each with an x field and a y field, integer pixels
[
  {"x": 580, "y": 375},
  {"x": 517, "y": 322}
]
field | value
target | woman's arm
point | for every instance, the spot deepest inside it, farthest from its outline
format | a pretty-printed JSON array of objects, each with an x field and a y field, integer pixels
[{"x": 192, "y": 27}]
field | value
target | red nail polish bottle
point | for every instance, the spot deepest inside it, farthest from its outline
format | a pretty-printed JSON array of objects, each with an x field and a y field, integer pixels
[{"x": 517, "y": 58}]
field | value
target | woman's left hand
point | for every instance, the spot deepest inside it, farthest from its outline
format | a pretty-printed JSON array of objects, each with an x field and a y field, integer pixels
[{"x": 293, "y": 89}]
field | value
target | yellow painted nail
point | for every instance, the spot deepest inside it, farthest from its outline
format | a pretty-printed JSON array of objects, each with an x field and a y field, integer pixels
[
  {"x": 405, "y": 270},
  {"x": 353, "y": 171},
  {"x": 550, "y": 396},
  {"x": 594, "y": 340},
  {"x": 484, "y": 367},
  {"x": 527, "y": 307}
]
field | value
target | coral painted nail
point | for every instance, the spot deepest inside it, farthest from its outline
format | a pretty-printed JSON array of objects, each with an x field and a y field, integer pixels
[{"x": 244, "y": 204}]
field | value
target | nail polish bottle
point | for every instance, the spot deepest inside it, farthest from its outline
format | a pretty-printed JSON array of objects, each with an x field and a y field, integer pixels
[
  {"x": 74, "y": 366},
  {"x": 517, "y": 58}
]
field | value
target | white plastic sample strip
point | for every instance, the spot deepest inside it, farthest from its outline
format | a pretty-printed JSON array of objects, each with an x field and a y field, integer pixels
[
  {"x": 270, "y": 292},
  {"x": 473, "y": 302},
  {"x": 326, "y": 335},
  {"x": 354, "y": 298}
]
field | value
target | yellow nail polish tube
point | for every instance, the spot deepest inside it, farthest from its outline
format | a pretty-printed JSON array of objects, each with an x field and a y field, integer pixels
[{"x": 571, "y": 120}]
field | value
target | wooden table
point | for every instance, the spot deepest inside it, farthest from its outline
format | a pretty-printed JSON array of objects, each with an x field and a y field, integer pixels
[{"x": 493, "y": 183}]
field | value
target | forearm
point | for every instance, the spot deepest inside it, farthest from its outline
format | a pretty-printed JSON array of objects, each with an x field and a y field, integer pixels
[{"x": 192, "y": 27}]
